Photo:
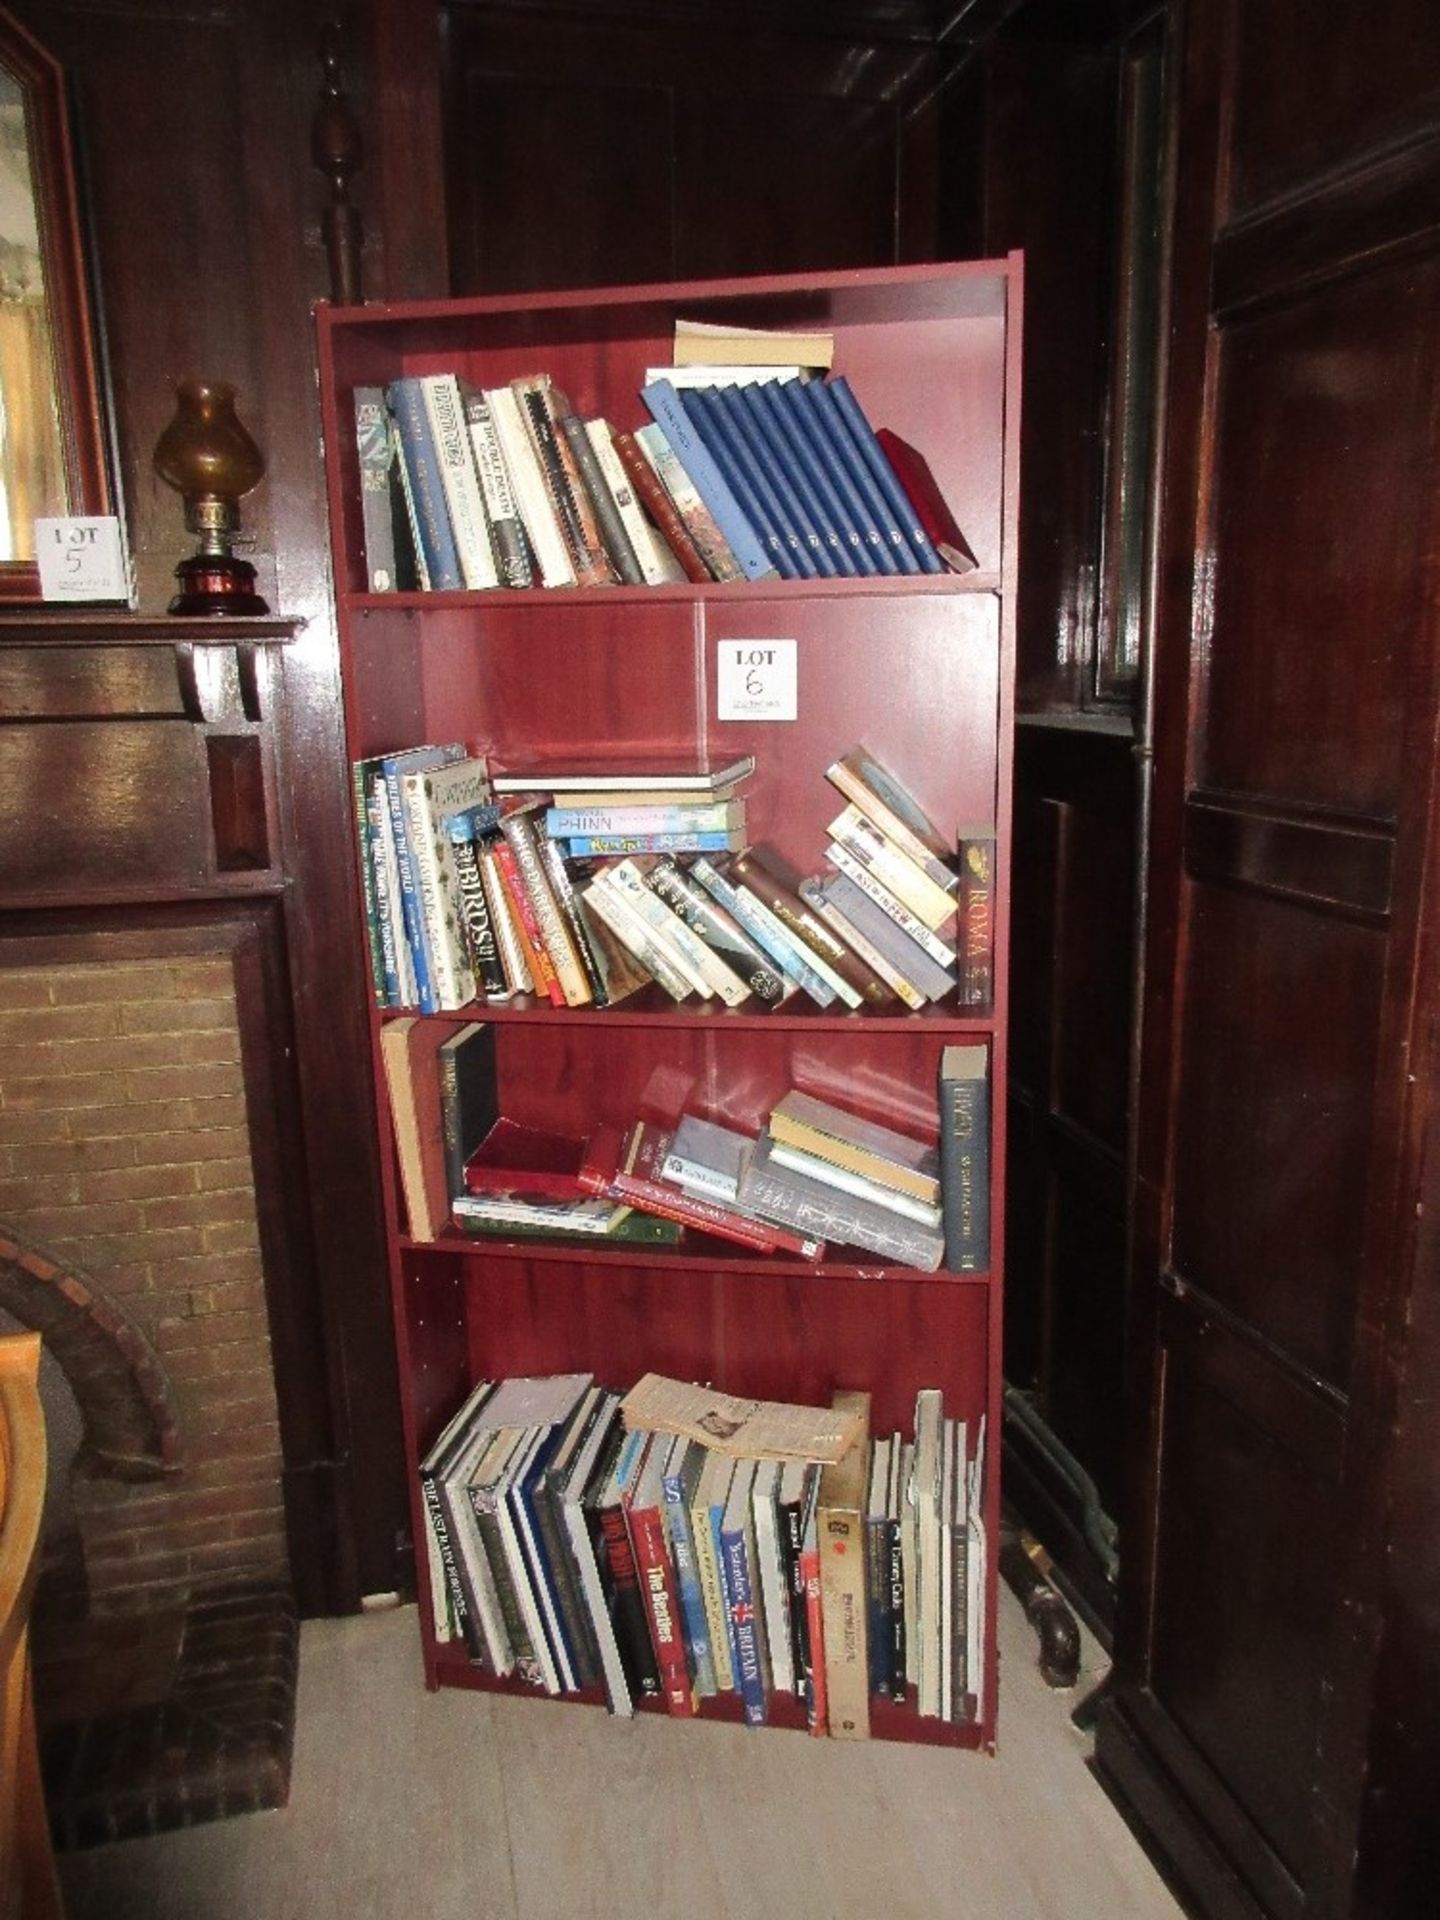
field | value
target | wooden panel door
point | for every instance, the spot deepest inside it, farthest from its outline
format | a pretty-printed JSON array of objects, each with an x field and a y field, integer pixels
[{"x": 1289, "y": 1002}]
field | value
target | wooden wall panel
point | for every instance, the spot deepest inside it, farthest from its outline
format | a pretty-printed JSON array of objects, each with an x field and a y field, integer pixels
[
  {"x": 1336, "y": 384},
  {"x": 1313, "y": 90},
  {"x": 1273, "y": 1119},
  {"x": 608, "y": 150},
  {"x": 1287, "y": 1073}
]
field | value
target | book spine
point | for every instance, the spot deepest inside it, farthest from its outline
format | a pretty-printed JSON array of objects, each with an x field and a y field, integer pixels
[
  {"x": 519, "y": 831},
  {"x": 532, "y": 495},
  {"x": 562, "y": 823},
  {"x": 614, "y": 846},
  {"x": 913, "y": 539},
  {"x": 461, "y": 482},
  {"x": 861, "y": 795},
  {"x": 700, "y": 522},
  {"x": 751, "y": 488},
  {"x": 773, "y": 936},
  {"x": 406, "y": 519},
  {"x": 537, "y": 412},
  {"x": 977, "y": 919},
  {"x": 565, "y": 1579},
  {"x": 706, "y": 1183},
  {"x": 518, "y": 978},
  {"x": 627, "y": 1603},
  {"x": 812, "y": 892},
  {"x": 772, "y": 1584},
  {"x": 817, "y": 1697},
  {"x": 842, "y": 1603},
  {"x": 681, "y": 433},
  {"x": 537, "y": 1596},
  {"x": 501, "y": 507},
  {"x": 828, "y": 529},
  {"x": 484, "y": 1592},
  {"x": 711, "y": 973},
  {"x": 844, "y": 861},
  {"x": 717, "y": 929},
  {"x": 527, "y": 927},
  {"x": 563, "y": 890},
  {"x": 878, "y": 1637},
  {"x": 438, "y": 1519},
  {"x": 687, "y": 1581},
  {"x": 907, "y": 959},
  {"x": 662, "y": 509},
  {"x": 739, "y": 1582},
  {"x": 452, "y": 980},
  {"x": 965, "y": 1171},
  {"x": 613, "y": 535},
  {"x": 792, "y": 1540},
  {"x": 375, "y": 451},
  {"x": 592, "y": 1588},
  {"x": 893, "y": 869},
  {"x": 657, "y": 1584},
  {"x": 410, "y": 904},
  {"x": 512, "y": 1616},
  {"x": 611, "y": 905},
  {"x": 861, "y": 541},
  {"x": 387, "y": 907},
  {"x": 895, "y": 1573},
  {"x": 852, "y": 980},
  {"x": 658, "y": 564},
  {"x": 475, "y": 914},
  {"x": 703, "y": 1531},
  {"x": 360, "y": 771},
  {"x": 427, "y": 486},
  {"x": 846, "y": 1180}
]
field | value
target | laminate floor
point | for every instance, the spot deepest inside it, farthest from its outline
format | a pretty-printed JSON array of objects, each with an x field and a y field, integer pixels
[{"x": 432, "y": 1806}]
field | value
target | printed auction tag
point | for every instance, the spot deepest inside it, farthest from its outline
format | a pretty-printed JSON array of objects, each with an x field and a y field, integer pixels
[
  {"x": 81, "y": 559},
  {"x": 756, "y": 680}
]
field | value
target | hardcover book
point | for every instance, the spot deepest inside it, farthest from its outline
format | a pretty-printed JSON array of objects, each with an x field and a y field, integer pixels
[
  {"x": 532, "y": 494},
  {"x": 502, "y": 509},
  {"x": 715, "y": 340},
  {"x": 469, "y": 522},
  {"x": 604, "y": 1505},
  {"x": 965, "y": 1156},
  {"x": 673, "y": 417},
  {"x": 541, "y": 410},
  {"x": 699, "y": 521},
  {"x": 431, "y": 797},
  {"x": 750, "y": 486},
  {"x": 737, "y": 1540},
  {"x": 689, "y": 779},
  {"x": 408, "y": 1048},
  {"x": 663, "y": 513},
  {"x": 683, "y": 1468},
  {"x": 375, "y": 451},
  {"x": 912, "y": 470},
  {"x": 427, "y": 485},
  {"x": 977, "y": 916},
  {"x": 840, "y": 1516},
  {"x": 644, "y": 1515},
  {"x": 614, "y": 536},
  {"x": 657, "y": 561}
]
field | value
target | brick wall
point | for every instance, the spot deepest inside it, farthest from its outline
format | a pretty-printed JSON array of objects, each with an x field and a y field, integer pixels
[{"x": 124, "y": 1152}]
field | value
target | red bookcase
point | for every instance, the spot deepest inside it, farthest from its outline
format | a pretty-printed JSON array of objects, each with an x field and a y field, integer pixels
[{"x": 918, "y": 669}]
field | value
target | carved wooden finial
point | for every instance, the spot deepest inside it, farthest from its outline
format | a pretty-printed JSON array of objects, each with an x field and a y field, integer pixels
[{"x": 338, "y": 151}]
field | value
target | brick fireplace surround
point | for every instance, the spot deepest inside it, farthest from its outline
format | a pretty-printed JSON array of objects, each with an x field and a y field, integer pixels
[{"x": 165, "y": 1637}]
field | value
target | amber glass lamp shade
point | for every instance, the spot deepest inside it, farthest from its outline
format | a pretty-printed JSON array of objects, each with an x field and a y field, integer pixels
[{"x": 212, "y": 463}]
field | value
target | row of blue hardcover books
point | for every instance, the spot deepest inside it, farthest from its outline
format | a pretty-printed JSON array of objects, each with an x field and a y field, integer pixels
[{"x": 795, "y": 477}]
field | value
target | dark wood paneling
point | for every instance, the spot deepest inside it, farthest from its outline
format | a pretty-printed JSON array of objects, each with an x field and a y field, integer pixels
[
  {"x": 1344, "y": 864},
  {"x": 1312, "y": 91},
  {"x": 1049, "y": 140},
  {"x": 1315, "y": 604},
  {"x": 1272, "y": 1125},
  {"x": 1245, "y": 1571},
  {"x": 617, "y": 151}
]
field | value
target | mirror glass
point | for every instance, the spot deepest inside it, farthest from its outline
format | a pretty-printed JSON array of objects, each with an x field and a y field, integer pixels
[{"x": 32, "y": 462}]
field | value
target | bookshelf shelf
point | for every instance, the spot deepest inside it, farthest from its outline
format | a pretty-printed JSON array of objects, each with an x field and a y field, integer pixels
[
  {"x": 928, "y": 586},
  {"x": 708, "y": 1255},
  {"x": 918, "y": 670}
]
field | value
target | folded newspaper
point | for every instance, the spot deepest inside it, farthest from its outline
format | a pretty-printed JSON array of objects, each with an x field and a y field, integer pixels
[{"x": 748, "y": 1429}]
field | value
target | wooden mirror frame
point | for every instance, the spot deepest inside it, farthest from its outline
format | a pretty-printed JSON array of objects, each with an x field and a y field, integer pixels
[{"x": 76, "y": 371}]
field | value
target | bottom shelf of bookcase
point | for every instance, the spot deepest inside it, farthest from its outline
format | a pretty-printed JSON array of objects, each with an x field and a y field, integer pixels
[{"x": 889, "y": 1719}]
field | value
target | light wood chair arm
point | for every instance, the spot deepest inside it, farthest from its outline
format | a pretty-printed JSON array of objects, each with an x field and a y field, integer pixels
[{"x": 29, "y": 1888}]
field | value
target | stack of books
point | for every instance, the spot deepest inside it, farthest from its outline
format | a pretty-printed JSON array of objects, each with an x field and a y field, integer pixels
[
  {"x": 813, "y": 1173},
  {"x": 744, "y": 471},
  {"x": 577, "y": 1541}
]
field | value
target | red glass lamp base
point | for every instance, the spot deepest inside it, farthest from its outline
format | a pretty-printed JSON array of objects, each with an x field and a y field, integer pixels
[{"x": 217, "y": 583}]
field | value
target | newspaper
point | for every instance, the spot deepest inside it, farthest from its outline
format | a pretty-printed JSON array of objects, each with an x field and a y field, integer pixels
[{"x": 741, "y": 1429}]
